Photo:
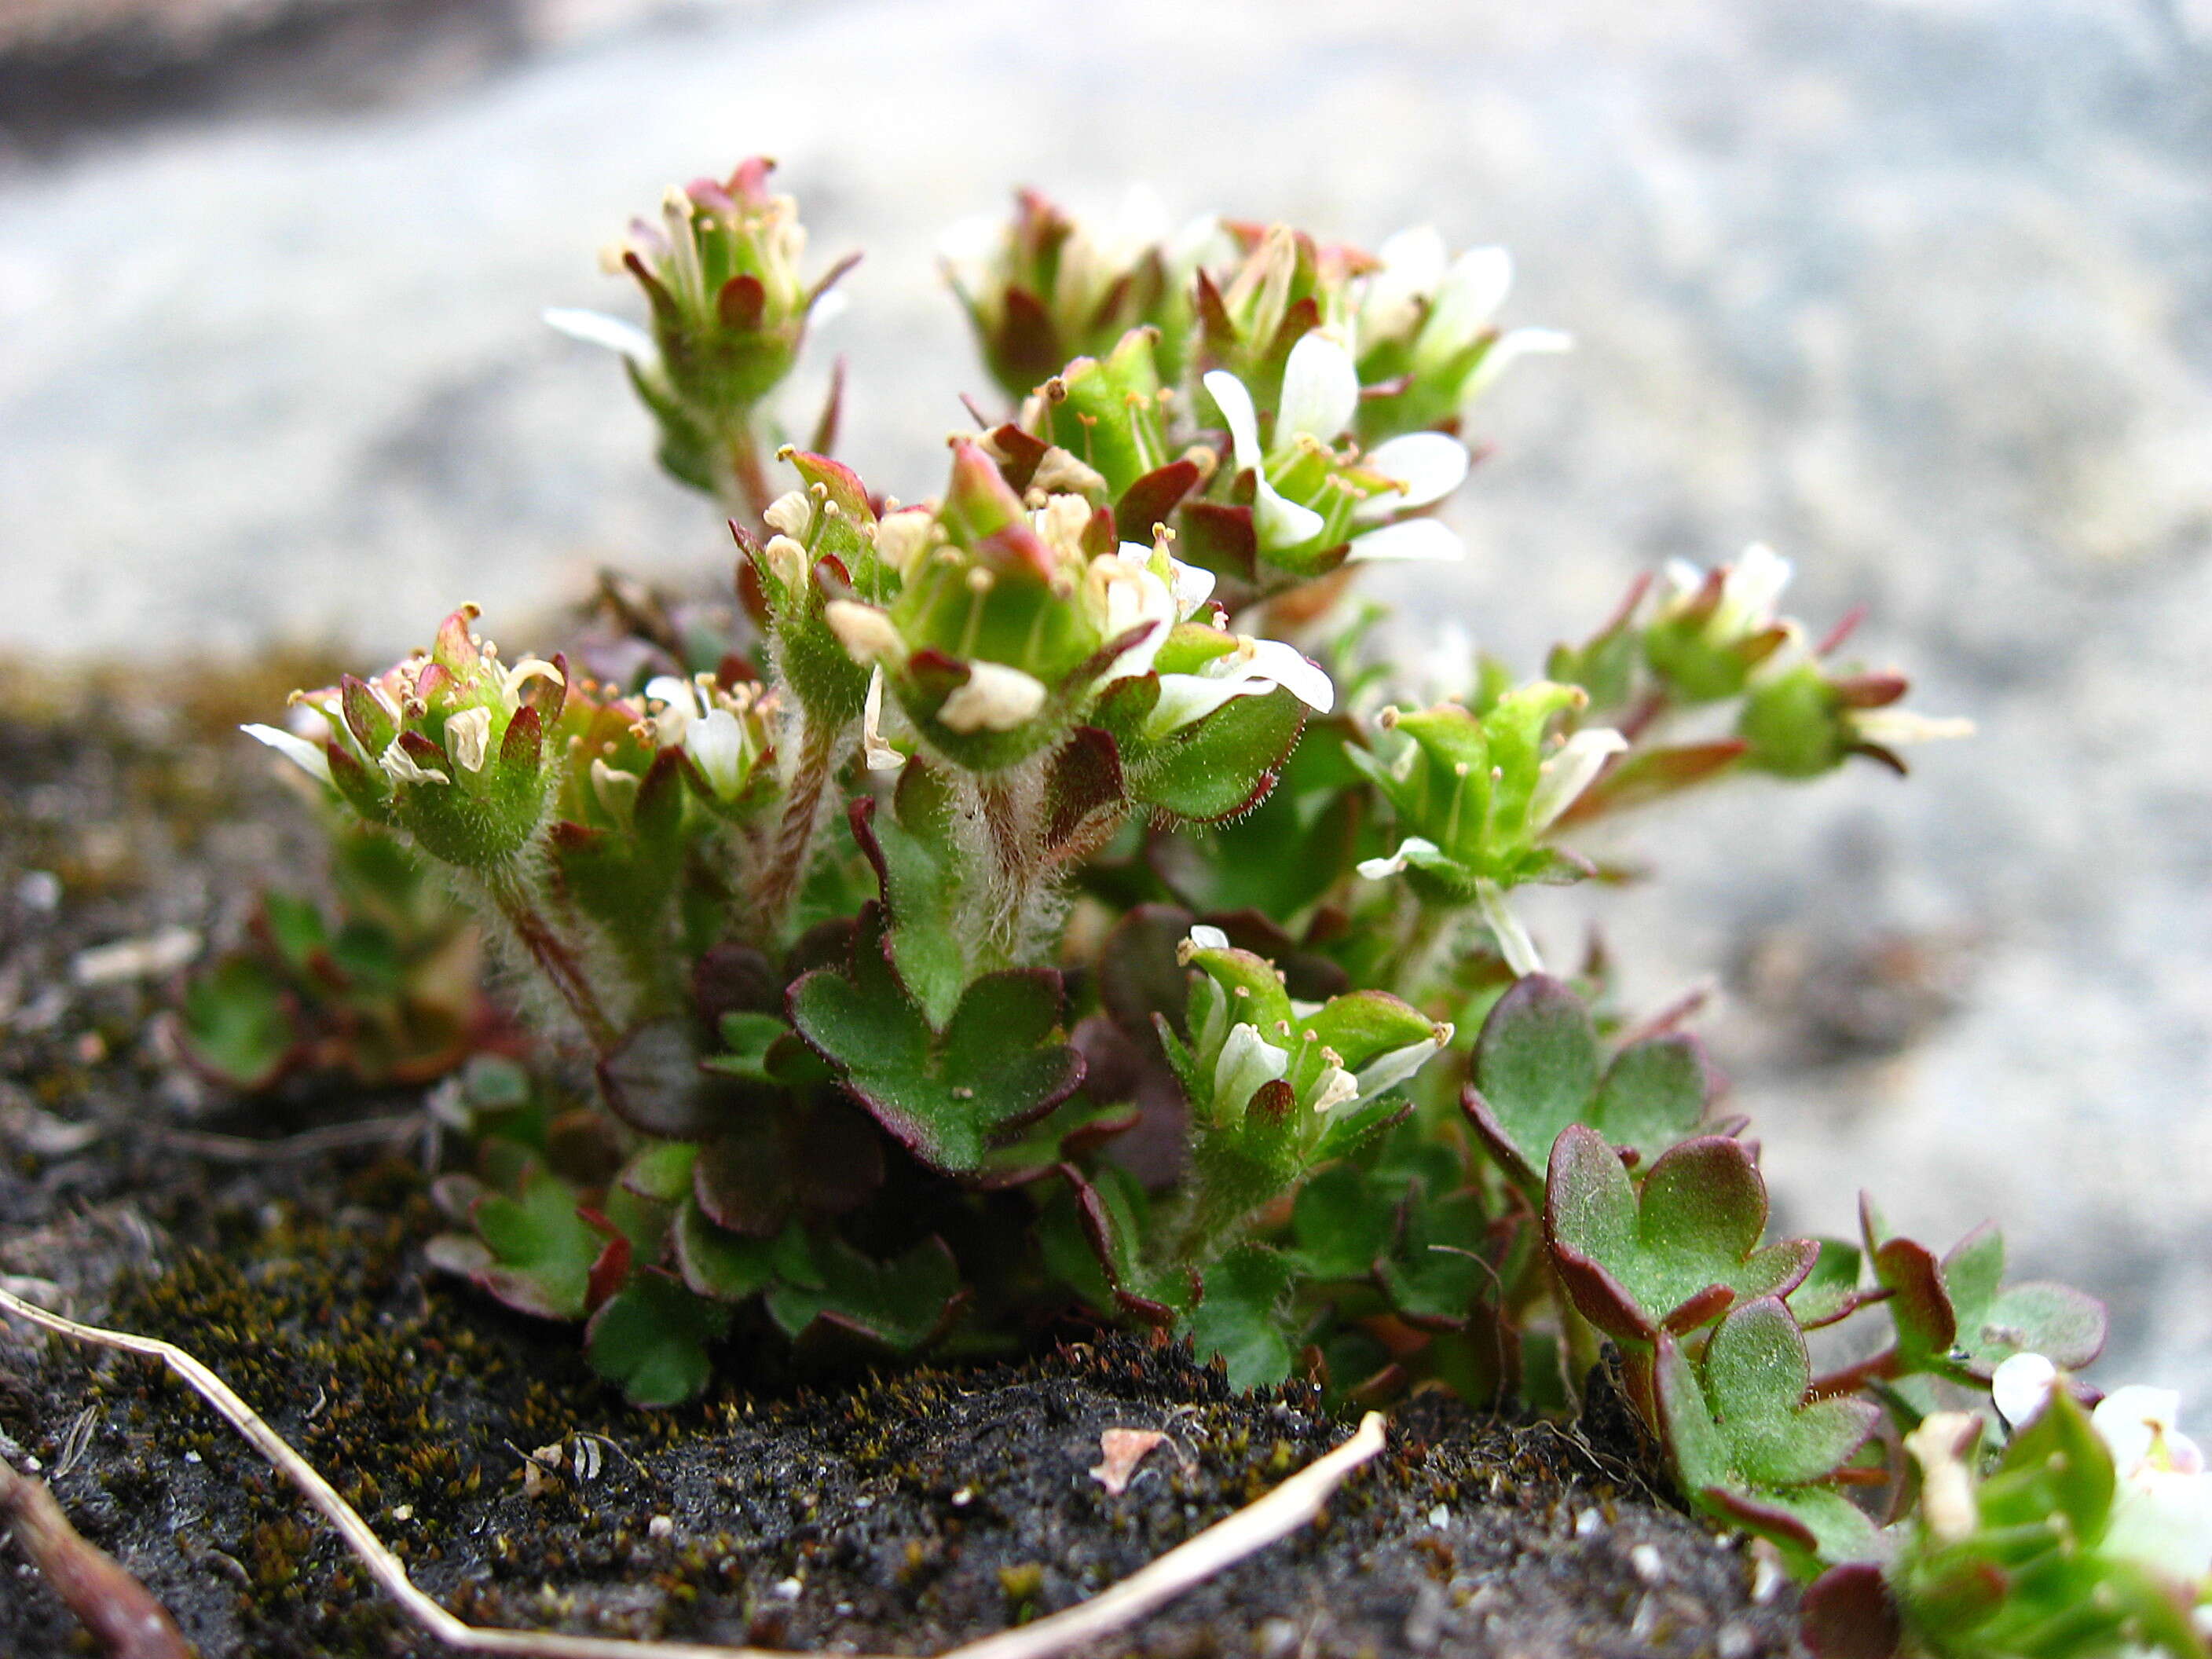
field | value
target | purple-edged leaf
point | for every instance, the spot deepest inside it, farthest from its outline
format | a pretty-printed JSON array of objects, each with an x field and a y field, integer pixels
[
  {"x": 1957, "y": 1318},
  {"x": 651, "y": 1338},
  {"x": 1757, "y": 1376},
  {"x": 1092, "y": 1244},
  {"x": 540, "y": 1251},
  {"x": 1139, "y": 974},
  {"x": 1152, "y": 499},
  {"x": 651, "y": 1081},
  {"x": 1084, "y": 798},
  {"x": 1655, "y": 1094},
  {"x": 1848, "y": 1612},
  {"x": 742, "y": 1178},
  {"x": 946, "y": 1095},
  {"x": 1535, "y": 1072},
  {"x": 1078, "y": 1124},
  {"x": 1637, "y": 1260}
]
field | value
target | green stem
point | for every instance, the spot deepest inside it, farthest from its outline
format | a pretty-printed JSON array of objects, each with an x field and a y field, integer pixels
[{"x": 747, "y": 487}]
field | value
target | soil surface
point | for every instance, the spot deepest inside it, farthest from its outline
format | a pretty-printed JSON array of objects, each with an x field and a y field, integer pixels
[{"x": 796, "y": 1506}]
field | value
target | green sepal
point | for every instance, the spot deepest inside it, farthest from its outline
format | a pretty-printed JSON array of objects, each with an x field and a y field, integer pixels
[
  {"x": 1107, "y": 414},
  {"x": 1219, "y": 767}
]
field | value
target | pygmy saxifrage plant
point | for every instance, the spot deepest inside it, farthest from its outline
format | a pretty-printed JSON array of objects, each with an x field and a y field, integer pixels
[{"x": 1038, "y": 898}]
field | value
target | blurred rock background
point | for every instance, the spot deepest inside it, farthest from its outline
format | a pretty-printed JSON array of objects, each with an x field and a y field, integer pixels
[{"x": 1919, "y": 291}]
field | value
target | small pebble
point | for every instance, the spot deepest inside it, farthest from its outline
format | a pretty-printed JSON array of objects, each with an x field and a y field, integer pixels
[
  {"x": 1588, "y": 1523},
  {"x": 963, "y": 1498},
  {"x": 38, "y": 891},
  {"x": 1439, "y": 1517},
  {"x": 1650, "y": 1566},
  {"x": 787, "y": 1590},
  {"x": 405, "y": 1512},
  {"x": 661, "y": 1526}
]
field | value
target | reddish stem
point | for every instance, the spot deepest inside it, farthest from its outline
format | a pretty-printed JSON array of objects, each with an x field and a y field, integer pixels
[
  {"x": 792, "y": 850},
  {"x": 1884, "y": 1367}
]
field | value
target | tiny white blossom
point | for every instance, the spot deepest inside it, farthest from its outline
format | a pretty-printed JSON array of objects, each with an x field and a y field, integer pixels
[
  {"x": 1203, "y": 938},
  {"x": 597, "y": 328},
  {"x": 995, "y": 698},
  {"x": 510, "y": 687},
  {"x": 716, "y": 743},
  {"x": 1338, "y": 1086},
  {"x": 1892, "y": 727},
  {"x": 1277, "y": 522},
  {"x": 790, "y": 513},
  {"x": 1515, "y": 345},
  {"x": 400, "y": 767},
  {"x": 1387, "y": 1071},
  {"x": 1427, "y": 466},
  {"x": 1467, "y": 300},
  {"x": 1410, "y": 541},
  {"x": 865, "y": 632},
  {"x": 1414, "y": 849},
  {"x": 902, "y": 538},
  {"x": 2021, "y": 1387}
]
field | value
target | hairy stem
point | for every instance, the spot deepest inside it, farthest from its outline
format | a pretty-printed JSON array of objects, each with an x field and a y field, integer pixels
[
  {"x": 791, "y": 853},
  {"x": 746, "y": 488},
  {"x": 555, "y": 956}
]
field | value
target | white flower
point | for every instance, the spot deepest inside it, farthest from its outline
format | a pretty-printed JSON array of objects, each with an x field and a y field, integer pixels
[
  {"x": 1202, "y": 938},
  {"x": 903, "y": 536},
  {"x": 510, "y": 688},
  {"x": 1136, "y": 584},
  {"x": 1254, "y": 667},
  {"x": 1321, "y": 395},
  {"x": 1561, "y": 780},
  {"x": 1751, "y": 591},
  {"x": 1427, "y": 466},
  {"x": 693, "y": 714},
  {"x": 1410, "y": 265},
  {"x": 468, "y": 735},
  {"x": 716, "y": 743},
  {"x": 1387, "y": 1071},
  {"x": 1277, "y": 522},
  {"x": 1247, "y": 1061},
  {"x": 995, "y": 698},
  {"x": 877, "y": 755},
  {"x": 1465, "y": 303},
  {"x": 1416, "y": 850},
  {"x": 309, "y": 757},
  {"x": 1891, "y": 726},
  {"x": 1337, "y": 1087}
]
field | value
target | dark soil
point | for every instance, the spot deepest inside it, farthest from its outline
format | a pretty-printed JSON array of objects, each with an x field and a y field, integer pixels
[{"x": 896, "y": 1511}]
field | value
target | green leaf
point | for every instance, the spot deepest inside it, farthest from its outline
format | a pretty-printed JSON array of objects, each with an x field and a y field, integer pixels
[
  {"x": 1093, "y": 1243},
  {"x": 948, "y": 1095},
  {"x": 237, "y": 1024},
  {"x": 1746, "y": 1442},
  {"x": 899, "y": 1304},
  {"x": 650, "y": 1337},
  {"x": 1288, "y": 851},
  {"x": 1654, "y": 1094},
  {"x": 542, "y": 1251},
  {"x": 1674, "y": 1254},
  {"x": 1235, "y": 1319},
  {"x": 1535, "y": 1072},
  {"x": 1437, "y": 1273},
  {"x": 1342, "y": 1220}
]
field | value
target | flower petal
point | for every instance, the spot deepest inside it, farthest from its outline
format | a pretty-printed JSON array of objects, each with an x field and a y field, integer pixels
[
  {"x": 1467, "y": 300},
  {"x": 1519, "y": 344},
  {"x": 1247, "y": 1060},
  {"x": 1427, "y": 466},
  {"x": 1235, "y": 403},
  {"x": 995, "y": 698},
  {"x": 1291, "y": 669},
  {"x": 1513, "y": 941},
  {"x": 308, "y": 757},
  {"x": 879, "y": 755},
  {"x": 2020, "y": 1386},
  {"x": 717, "y": 744},
  {"x": 1320, "y": 391},
  {"x": 1561, "y": 780},
  {"x": 1281, "y": 524},
  {"x": 597, "y": 328},
  {"x": 1409, "y": 540}
]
